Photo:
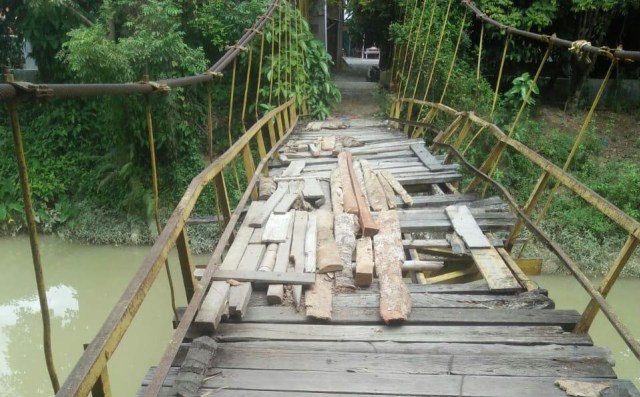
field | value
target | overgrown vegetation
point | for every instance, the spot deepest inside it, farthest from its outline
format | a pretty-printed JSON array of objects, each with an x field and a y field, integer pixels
[{"x": 89, "y": 160}]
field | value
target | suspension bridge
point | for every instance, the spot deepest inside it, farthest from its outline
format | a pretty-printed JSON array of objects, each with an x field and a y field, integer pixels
[{"x": 357, "y": 261}]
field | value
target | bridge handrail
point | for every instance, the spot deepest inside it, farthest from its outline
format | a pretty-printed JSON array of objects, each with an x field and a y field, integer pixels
[
  {"x": 557, "y": 41},
  {"x": 629, "y": 224}
]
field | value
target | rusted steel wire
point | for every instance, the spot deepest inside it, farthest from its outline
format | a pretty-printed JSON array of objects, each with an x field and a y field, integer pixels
[
  {"x": 556, "y": 41},
  {"x": 12, "y": 91}
]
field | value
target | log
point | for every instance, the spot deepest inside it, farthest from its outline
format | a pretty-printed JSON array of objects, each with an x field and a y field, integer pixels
[
  {"x": 345, "y": 237},
  {"x": 336, "y": 192},
  {"x": 406, "y": 198},
  {"x": 368, "y": 226},
  {"x": 375, "y": 191},
  {"x": 318, "y": 299},
  {"x": 269, "y": 259},
  {"x": 266, "y": 187},
  {"x": 327, "y": 249},
  {"x": 310, "y": 244},
  {"x": 364, "y": 262},
  {"x": 337, "y": 149},
  {"x": 395, "y": 301},
  {"x": 313, "y": 148},
  {"x": 349, "y": 202},
  {"x": 421, "y": 266}
]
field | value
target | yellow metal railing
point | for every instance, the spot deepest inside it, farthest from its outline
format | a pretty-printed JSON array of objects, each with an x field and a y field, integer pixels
[
  {"x": 90, "y": 374},
  {"x": 418, "y": 116}
]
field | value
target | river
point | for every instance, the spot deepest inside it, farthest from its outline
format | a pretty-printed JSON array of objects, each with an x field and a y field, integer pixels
[{"x": 84, "y": 282}]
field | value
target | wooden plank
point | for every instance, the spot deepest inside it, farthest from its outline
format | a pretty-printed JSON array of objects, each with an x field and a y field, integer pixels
[
  {"x": 310, "y": 244},
  {"x": 565, "y": 352},
  {"x": 391, "y": 180},
  {"x": 327, "y": 248},
  {"x": 298, "y": 251},
  {"x": 375, "y": 191},
  {"x": 426, "y": 158},
  {"x": 494, "y": 270},
  {"x": 408, "y": 333},
  {"x": 276, "y": 230},
  {"x": 312, "y": 189},
  {"x": 285, "y": 204},
  {"x": 345, "y": 315},
  {"x": 318, "y": 298},
  {"x": 457, "y": 245},
  {"x": 336, "y": 192},
  {"x": 254, "y": 212},
  {"x": 367, "y": 224},
  {"x": 275, "y": 292},
  {"x": 395, "y": 302},
  {"x": 522, "y": 278},
  {"x": 239, "y": 294},
  {"x": 294, "y": 168},
  {"x": 364, "y": 262},
  {"x": 437, "y": 225},
  {"x": 256, "y": 236},
  {"x": 389, "y": 193},
  {"x": 215, "y": 303},
  {"x": 332, "y": 382},
  {"x": 499, "y": 386},
  {"x": 264, "y": 277},
  {"x": 349, "y": 202},
  {"x": 465, "y": 225},
  {"x": 259, "y": 218},
  {"x": 269, "y": 258},
  {"x": 345, "y": 237}
]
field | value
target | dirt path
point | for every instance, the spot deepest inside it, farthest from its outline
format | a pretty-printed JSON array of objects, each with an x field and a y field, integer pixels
[{"x": 358, "y": 95}]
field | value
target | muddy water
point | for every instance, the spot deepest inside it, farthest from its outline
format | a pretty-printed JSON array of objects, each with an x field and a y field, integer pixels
[
  {"x": 625, "y": 300},
  {"x": 84, "y": 282}
]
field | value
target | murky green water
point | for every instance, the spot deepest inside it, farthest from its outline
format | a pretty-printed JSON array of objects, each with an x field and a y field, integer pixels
[{"x": 84, "y": 282}]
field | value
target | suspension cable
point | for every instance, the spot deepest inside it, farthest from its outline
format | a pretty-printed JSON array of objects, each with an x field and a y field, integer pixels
[
  {"x": 156, "y": 194},
  {"x": 455, "y": 54},
  {"x": 435, "y": 58}
]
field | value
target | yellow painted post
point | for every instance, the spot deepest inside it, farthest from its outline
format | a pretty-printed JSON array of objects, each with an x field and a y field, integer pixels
[
  {"x": 186, "y": 265},
  {"x": 223, "y": 197},
  {"x": 102, "y": 387},
  {"x": 486, "y": 166},
  {"x": 285, "y": 117},
  {"x": 409, "y": 113},
  {"x": 249, "y": 167},
  {"x": 279, "y": 124},
  {"x": 607, "y": 282},
  {"x": 272, "y": 132},
  {"x": 294, "y": 114}
]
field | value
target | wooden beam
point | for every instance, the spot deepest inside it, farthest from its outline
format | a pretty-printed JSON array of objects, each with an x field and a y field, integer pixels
[{"x": 367, "y": 224}]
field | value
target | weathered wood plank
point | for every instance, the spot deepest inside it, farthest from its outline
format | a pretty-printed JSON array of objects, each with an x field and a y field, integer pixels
[
  {"x": 465, "y": 225},
  {"x": 375, "y": 191},
  {"x": 310, "y": 244},
  {"x": 264, "y": 277},
  {"x": 285, "y": 204},
  {"x": 298, "y": 251},
  {"x": 395, "y": 302},
  {"x": 259, "y": 218},
  {"x": 346, "y": 315},
  {"x": 364, "y": 262},
  {"x": 499, "y": 386},
  {"x": 367, "y": 225},
  {"x": 327, "y": 249},
  {"x": 413, "y": 333},
  {"x": 275, "y": 292},
  {"x": 312, "y": 189},
  {"x": 294, "y": 168},
  {"x": 426, "y": 158},
  {"x": 318, "y": 298},
  {"x": 349, "y": 202},
  {"x": 239, "y": 294},
  {"x": 276, "y": 230},
  {"x": 494, "y": 270}
]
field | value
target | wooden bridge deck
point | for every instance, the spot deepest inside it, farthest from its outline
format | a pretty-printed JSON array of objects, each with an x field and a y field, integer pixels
[{"x": 478, "y": 327}]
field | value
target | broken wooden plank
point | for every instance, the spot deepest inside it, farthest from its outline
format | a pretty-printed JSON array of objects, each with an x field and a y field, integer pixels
[
  {"x": 294, "y": 168},
  {"x": 395, "y": 302},
  {"x": 327, "y": 249},
  {"x": 318, "y": 298},
  {"x": 465, "y": 225},
  {"x": 275, "y": 292},
  {"x": 375, "y": 191},
  {"x": 426, "y": 158},
  {"x": 312, "y": 189},
  {"x": 494, "y": 270},
  {"x": 264, "y": 277},
  {"x": 389, "y": 193},
  {"x": 389, "y": 178},
  {"x": 239, "y": 294},
  {"x": 285, "y": 204},
  {"x": 300, "y": 222},
  {"x": 364, "y": 262},
  {"x": 310, "y": 244},
  {"x": 336, "y": 191},
  {"x": 457, "y": 245},
  {"x": 276, "y": 229},
  {"x": 259, "y": 217}
]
